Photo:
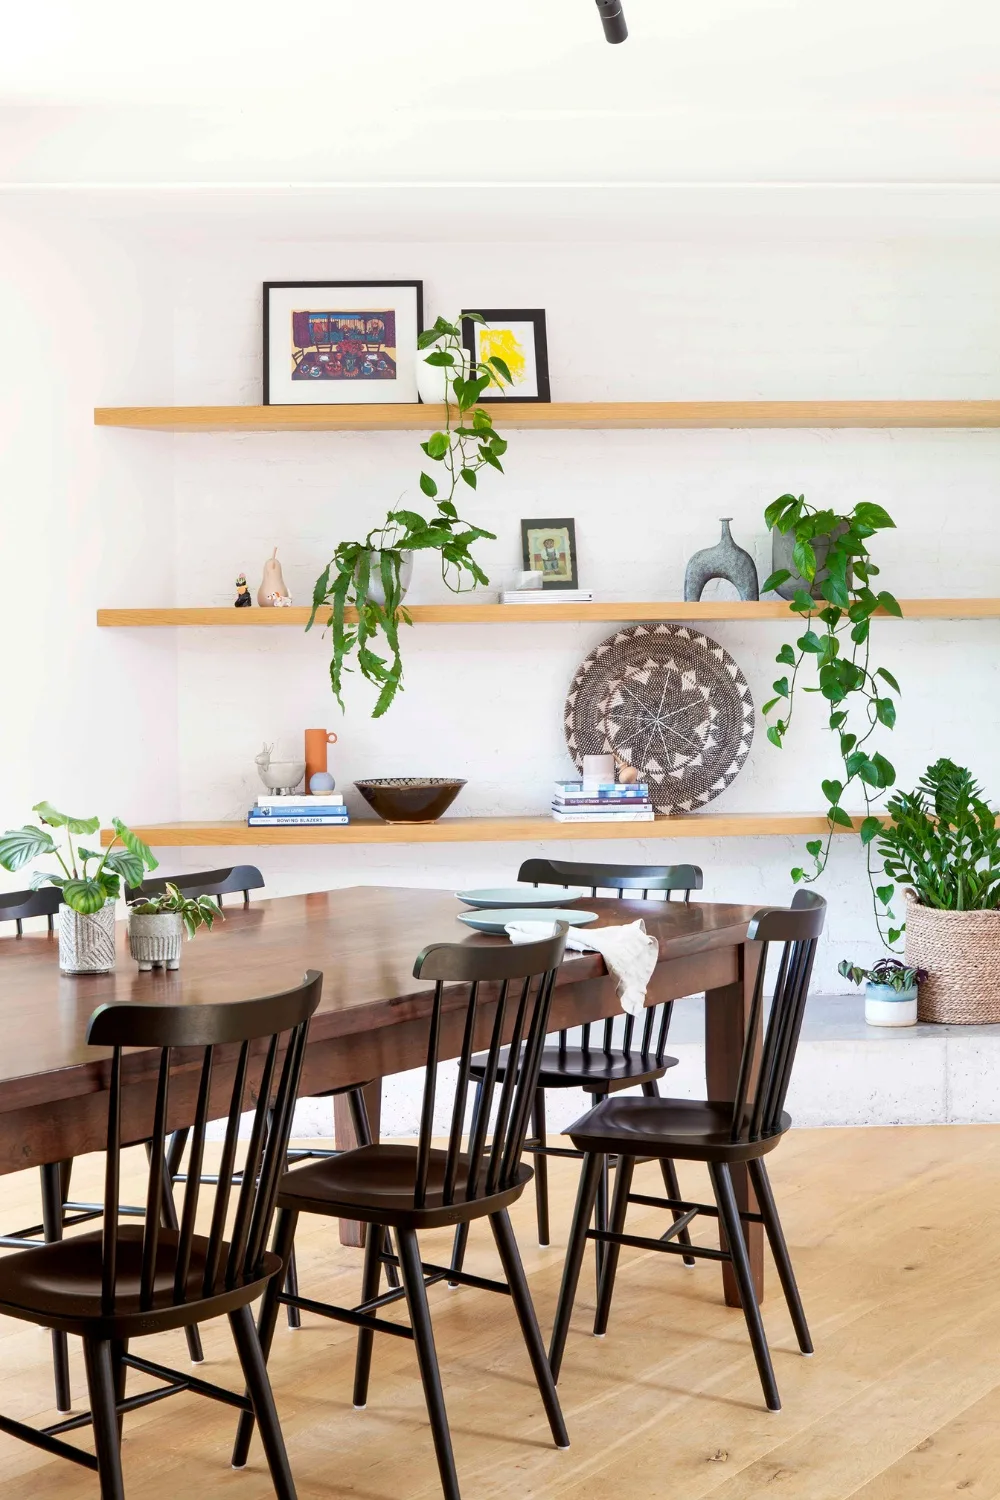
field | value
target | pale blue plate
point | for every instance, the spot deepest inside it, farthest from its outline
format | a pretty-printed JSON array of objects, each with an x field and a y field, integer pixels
[
  {"x": 496, "y": 921},
  {"x": 506, "y": 896}
]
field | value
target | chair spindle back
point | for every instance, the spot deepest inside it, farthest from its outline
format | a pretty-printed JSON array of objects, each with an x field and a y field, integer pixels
[
  {"x": 203, "y": 1029},
  {"x": 194, "y": 883},
  {"x": 762, "y": 1085},
  {"x": 621, "y": 878},
  {"x": 522, "y": 977},
  {"x": 15, "y": 906}
]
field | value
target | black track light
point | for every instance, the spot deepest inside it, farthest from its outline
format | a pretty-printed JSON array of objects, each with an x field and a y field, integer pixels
[{"x": 613, "y": 20}]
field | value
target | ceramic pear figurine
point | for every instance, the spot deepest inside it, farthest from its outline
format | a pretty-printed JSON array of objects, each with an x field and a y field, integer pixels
[{"x": 272, "y": 589}]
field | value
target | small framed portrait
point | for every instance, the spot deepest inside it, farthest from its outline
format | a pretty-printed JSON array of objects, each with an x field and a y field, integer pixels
[
  {"x": 549, "y": 548},
  {"x": 328, "y": 343},
  {"x": 518, "y": 338}
]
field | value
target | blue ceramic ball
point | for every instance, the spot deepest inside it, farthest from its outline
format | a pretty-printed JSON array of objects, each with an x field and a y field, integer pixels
[{"x": 321, "y": 781}]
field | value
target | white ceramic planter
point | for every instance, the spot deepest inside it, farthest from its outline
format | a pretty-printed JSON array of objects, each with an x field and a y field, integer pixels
[
  {"x": 375, "y": 590},
  {"x": 434, "y": 381},
  {"x": 87, "y": 943},
  {"x": 885, "y": 1006},
  {"x": 155, "y": 939}
]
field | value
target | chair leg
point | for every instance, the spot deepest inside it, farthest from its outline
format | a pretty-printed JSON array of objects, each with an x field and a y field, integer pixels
[
  {"x": 514, "y": 1271},
  {"x": 623, "y": 1185},
  {"x": 52, "y": 1224},
  {"x": 669, "y": 1174},
  {"x": 430, "y": 1375},
  {"x": 541, "y": 1167},
  {"x": 255, "y": 1373},
  {"x": 107, "y": 1442},
  {"x": 284, "y": 1238},
  {"x": 779, "y": 1249},
  {"x": 174, "y": 1152},
  {"x": 363, "y": 1132},
  {"x": 119, "y": 1349},
  {"x": 292, "y": 1288},
  {"x": 729, "y": 1213},
  {"x": 370, "y": 1282},
  {"x": 574, "y": 1259}
]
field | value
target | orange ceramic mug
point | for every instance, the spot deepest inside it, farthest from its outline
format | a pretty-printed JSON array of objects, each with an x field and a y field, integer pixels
[{"x": 317, "y": 741}]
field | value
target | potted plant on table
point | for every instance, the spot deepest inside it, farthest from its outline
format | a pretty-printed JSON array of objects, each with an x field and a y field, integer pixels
[
  {"x": 943, "y": 842},
  {"x": 890, "y": 991},
  {"x": 157, "y": 923},
  {"x": 90, "y": 881}
]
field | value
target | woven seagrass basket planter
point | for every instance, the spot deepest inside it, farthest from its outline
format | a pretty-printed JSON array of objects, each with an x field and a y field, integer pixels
[{"x": 961, "y": 952}]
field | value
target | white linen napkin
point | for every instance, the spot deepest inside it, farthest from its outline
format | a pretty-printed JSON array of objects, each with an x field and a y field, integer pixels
[{"x": 628, "y": 950}]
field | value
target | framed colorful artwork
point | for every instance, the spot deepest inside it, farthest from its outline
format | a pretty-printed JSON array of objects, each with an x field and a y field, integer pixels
[
  {"x": 328, "y": 343},
  {"x": 549, "y": 548},
  {"x": 518, "y": 338}
]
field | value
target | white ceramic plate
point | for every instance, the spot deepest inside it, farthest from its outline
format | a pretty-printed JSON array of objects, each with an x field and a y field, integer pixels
[
  {"x": 496, "y": 921},
  {"x": 505, "y": 896}
]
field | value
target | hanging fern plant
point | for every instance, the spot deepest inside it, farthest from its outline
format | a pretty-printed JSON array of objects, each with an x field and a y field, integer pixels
[{"x": 836, "y": 645}]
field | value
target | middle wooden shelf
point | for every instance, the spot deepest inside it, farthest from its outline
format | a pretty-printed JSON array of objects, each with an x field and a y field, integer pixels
[{"x": 512, "y": 614}]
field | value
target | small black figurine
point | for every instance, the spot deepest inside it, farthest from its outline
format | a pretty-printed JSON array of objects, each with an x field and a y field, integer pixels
[{"x": 243, "y": 600}]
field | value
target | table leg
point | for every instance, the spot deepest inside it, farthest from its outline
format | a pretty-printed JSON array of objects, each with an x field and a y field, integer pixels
[
  {"x": 352, "y": 1233},
  {"x": 726, "y": 1012}
]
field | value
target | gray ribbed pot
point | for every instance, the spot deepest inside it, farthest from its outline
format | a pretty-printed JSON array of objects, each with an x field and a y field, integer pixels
[
  {"x": 155, "y": 940},
  {"x": 87, "y": 942}
]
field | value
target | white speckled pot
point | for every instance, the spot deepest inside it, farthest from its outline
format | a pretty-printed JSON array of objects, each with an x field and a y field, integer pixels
[
  {"x": 87, "y": 942},
  {"x": 155, "y": 940}
]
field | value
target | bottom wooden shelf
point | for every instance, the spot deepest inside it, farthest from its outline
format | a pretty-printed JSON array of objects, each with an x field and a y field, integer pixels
[{"x": 483, "y": 830}]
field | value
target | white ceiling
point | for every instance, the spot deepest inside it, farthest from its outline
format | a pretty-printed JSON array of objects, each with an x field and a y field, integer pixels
[{"x": 523, "y": 91}]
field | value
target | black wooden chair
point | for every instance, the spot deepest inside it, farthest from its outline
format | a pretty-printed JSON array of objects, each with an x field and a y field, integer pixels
[
  {"x": 409, "y": 1188},
  {"x": 718, "y": 1134},
  {"x": 113, "y": 1285},
  {"x": 612, "y": 1065},
  {"x": 17, "y": 906},
  {"x": 217, "y": 883}
]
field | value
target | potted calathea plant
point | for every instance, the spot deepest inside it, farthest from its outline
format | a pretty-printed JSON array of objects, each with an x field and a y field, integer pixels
[
  {"x": 157, "y": 924},
  {"x": 90, "y": 881},
  {"x": 890, "y": 991},
  {"x": 361, "y": 589},
  {"x": 943, "y": 842}
]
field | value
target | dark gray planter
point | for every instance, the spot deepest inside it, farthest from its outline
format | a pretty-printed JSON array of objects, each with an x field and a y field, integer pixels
[{"x": 782, "y": 547}]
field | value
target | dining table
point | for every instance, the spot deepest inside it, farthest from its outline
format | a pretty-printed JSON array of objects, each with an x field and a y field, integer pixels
[{"x": 372, "y": 1021}]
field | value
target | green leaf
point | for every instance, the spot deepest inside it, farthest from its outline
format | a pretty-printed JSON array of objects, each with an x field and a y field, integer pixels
[
  {"x": 427, "y": 485},
  {"x": 436, "y": 445},
  {"x": 803, "y": 603},
  {"x": 128, "y": 866},
  {"x": 85, "y": 896},
  {"x": 832, "y": 790},
  {"x": 890, "y": 604},
  {"x": 894, "y": 934},
  {"x": 837, "y": 719},
  {"x": 835, "y": 590},
  {"x": 134, "y": 845},
  {"x": 47, "y": 814},
  {"x": 814, "y": 847},
  {"x": 838, "y": 816},
  {"x": 885, "y": 893},
  {"x": 886, "y": 770},
  {"x": 873, "y": 515},
  {"x": 781, "y": 687},
  {"x": 774, "y": 734},
  {"x": 885, "y": 709},
  {"x": 43, "y": 877},
  {"x": 771, "y": 702},
  {"x": 499, "y": 364},
  {"x": 21, "y": 845},
  {"x": 440, "y": 357},
  {"x": 859, "y": 632},
  {"x": 888, "y": 677},
  {"x": 798, "y": 874},
  {"x": 775, "y": 580},
  {"x": 469, "y": 475},
  {"x": 786, "y": 656},
  {"x": 810, "y": 642},
  {"x": 777, "y": 509},
  {"x": 804, "y": 559}
]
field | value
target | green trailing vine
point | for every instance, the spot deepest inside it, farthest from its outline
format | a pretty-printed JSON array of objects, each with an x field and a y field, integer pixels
[
  {"x": 836, "y": 643},
  {"x": 467, "y": 445}
]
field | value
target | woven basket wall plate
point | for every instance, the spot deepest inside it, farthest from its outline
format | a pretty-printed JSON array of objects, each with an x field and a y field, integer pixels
[{"x": 668, "y": 701}]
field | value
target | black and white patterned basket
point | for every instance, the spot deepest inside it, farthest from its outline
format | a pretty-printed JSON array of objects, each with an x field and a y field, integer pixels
[{"x": 668, "y": 701}]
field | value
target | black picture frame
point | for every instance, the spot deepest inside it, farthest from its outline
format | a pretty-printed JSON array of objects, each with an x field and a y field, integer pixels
[
  {"x": 547, "y": 523},
  {"x": 499, "y": 316},
  {"x": 269, "y": 286}
]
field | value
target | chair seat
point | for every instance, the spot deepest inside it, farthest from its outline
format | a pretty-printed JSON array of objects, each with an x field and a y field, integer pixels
[
  {"x": 59, "y": 1285},
  {"x": 376, "y": 1184},
  {"x": 592, "y": 1069},
  {"x": 689, "y": 1129}
]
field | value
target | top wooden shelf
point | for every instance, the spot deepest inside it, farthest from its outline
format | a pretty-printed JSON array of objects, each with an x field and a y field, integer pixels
[{"x": 557, "y": 414}]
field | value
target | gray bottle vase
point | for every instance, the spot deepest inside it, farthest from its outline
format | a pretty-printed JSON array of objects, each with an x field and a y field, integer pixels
[{"x": 724, "y": 560}]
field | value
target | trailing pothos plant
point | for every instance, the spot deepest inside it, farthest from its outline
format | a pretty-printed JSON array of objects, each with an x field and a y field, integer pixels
[
  {"x": 836, "y": 642},
  {"x": 467, "y": 445},
  {"x": 89, "y": 878}
]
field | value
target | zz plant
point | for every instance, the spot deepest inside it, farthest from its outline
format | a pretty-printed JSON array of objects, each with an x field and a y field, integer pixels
[
  {"x": 460, "y": 453},
  {"x": 943, "y": 841},
  {"x": 89, "y": 878},
  {"x": 835, "y": 645}
]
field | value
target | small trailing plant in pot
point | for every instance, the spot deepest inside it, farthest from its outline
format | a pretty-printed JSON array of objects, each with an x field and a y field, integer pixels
[
  {"x": 90, "y": 881},
  {"x": 157, "y": 924},
  {"x": 361, "y": 589},
  {"x": 943, "y": 846},
  {"x": 890, "y": 990}
]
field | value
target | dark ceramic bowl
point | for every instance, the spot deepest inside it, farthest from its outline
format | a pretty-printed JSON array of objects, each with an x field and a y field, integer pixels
[{"x": 410, "y": 799}]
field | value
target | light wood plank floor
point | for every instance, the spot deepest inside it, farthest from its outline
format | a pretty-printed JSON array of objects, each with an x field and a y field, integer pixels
[{"x": 896, "y": 1238}]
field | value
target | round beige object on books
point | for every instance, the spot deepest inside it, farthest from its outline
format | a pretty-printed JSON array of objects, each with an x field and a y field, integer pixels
[{"x": 961, "y": 952}]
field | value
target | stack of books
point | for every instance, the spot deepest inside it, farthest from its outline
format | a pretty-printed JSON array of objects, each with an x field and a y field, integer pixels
[
  {"x": 299, "y": 810},
  {"x": 611, "y": 802},
  {"x": 547, "y": 596}
]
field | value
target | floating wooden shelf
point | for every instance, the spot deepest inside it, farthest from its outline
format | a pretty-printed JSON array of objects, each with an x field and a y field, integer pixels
[
  {"x": 513, "y": 614},
  {"x": 557, "y": 414},
  {"x": 482, "y": 830}
]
